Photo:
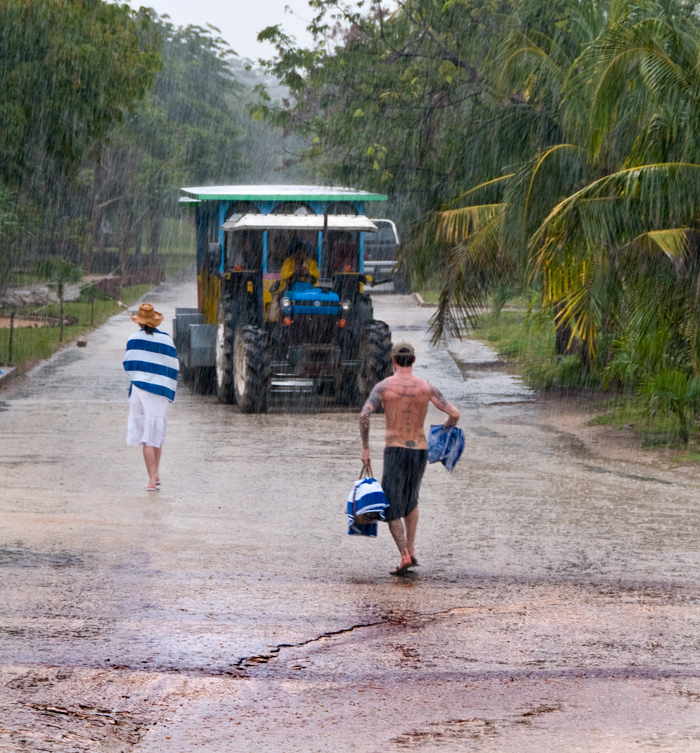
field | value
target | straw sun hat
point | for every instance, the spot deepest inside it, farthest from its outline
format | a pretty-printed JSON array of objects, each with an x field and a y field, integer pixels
[{"x": 147, "y": 316}]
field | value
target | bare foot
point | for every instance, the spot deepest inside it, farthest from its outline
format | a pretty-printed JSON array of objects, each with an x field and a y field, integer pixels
[{"x": 406, "y": 563}]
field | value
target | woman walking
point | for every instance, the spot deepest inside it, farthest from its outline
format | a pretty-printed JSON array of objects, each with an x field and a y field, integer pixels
[{"x": 152, "y": 365}]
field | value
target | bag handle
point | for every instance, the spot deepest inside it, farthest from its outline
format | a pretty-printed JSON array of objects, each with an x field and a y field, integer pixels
[{"x": 366, "y": 471}]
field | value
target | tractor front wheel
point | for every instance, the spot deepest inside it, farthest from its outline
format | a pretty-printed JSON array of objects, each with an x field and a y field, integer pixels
[
  {"x": 251, "y": 370},
  {"x": 375, "y": 353}
]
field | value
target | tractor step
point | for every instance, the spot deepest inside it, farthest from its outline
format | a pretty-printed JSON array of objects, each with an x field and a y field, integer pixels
[{"x": 292, "y": 385}]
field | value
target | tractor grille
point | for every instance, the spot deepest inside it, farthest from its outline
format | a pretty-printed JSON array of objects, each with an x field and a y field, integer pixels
[
  {"x": 314, "y": 329},
  {"x": 314, "y": 360},
  {"x": 317, "y": 308}
]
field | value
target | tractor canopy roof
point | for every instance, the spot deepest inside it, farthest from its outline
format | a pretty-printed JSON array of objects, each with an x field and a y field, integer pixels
[
  {"x": 300, "y": 222},
  {"x": 280, "y": 193}
]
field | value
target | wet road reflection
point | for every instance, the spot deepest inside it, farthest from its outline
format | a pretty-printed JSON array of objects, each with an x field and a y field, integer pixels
[{"x": 551, "y": 578}]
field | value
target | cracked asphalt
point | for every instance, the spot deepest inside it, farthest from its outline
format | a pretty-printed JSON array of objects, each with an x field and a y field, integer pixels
[{"x": 556, "y": 605}]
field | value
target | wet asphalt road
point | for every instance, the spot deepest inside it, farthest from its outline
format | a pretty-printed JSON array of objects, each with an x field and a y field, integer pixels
[{"x": 555, "y": 608}]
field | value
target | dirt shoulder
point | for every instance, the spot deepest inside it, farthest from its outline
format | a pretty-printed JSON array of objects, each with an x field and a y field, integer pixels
[{"x": 572, "y": 413}]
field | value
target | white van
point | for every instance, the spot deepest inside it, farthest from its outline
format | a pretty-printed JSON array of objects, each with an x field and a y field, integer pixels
[{"x": 381, "y": 252}]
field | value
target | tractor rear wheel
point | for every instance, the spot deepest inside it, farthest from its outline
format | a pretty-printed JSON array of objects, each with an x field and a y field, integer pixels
[
  {"x": 251, "y": 369},
  {"x": 375, "y": 353},
  {"x": 224, "y": 356}
]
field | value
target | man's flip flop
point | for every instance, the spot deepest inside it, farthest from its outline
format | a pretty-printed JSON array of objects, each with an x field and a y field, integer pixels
[
  {"x": 414, "y": 562},
  {"x": 401, "y": 569},
  {"x": 158, "y": 487}
]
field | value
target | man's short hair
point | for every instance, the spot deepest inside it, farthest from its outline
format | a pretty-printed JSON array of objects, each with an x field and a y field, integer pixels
[{"x": 404, "y": 360}]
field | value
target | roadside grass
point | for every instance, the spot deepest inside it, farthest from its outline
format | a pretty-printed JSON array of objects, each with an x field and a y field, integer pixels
[
  {"x": 21, "y": 277},
  {"x": 178, "y": 259},
  {"x": 30, "y": 344},
  {"x": 528, "y": 345},
  {"x": 430, "y": 295},
  {"x": 660, "y": 430},
  {"x": 177, "y": 246},
  {"x": 36, "y": 343}
]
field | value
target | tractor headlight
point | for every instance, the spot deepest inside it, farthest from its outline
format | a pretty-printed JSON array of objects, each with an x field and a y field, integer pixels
[
  {"x": 286, "y": 303},
  {"x": 345, "y": 306}
]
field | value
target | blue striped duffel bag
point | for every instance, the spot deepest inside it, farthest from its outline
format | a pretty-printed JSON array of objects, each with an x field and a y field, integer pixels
[{"x": 366, "y": 504}]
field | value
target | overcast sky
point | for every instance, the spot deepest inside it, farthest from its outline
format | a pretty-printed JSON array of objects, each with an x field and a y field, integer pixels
[{"x": 239, "y": 20}]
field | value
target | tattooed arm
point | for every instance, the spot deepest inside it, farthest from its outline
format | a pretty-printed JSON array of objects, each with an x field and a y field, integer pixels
[
  {"x": 374, "y": 402},
  {"x": 445, "y": 406}
]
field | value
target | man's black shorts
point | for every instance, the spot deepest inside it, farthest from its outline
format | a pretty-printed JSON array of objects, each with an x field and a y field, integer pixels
[{"x": 403, "y": 472}]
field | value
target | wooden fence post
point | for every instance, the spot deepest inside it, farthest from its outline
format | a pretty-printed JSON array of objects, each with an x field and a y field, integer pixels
[{"x": 12, "y": 332}]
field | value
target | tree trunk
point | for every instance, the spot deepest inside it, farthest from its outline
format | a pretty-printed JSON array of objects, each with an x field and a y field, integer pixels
[
  {"x": 96, "y": 216},
  {"x": 154, "y": 239},
  {"x": 683, "y": 427},
  {"x": 137, "y": 234},
  {"x": 562, "y": 336},
  {"x": 125, "y": 241}
]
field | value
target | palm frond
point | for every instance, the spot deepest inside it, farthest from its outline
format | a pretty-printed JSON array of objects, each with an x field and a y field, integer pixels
[
  {"x": 621, "y": 206},
  {"x": 481, "y": 187},
  {"x": 671, "y": 241},
  {"x": 473, "y": 267},
  {"x": 456, "y": 225},
  {"x": 528, "y": 63}
]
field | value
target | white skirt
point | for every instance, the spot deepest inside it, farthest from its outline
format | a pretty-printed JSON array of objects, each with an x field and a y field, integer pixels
[{"x": 146, "y": 418}]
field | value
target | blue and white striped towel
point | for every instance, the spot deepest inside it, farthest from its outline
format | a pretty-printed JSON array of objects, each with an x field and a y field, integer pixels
[
  {"x": 151, "y": 362},
  {"x": 366, "y": 498}
]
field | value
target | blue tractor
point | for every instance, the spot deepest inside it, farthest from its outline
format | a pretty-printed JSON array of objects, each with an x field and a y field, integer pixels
[{"x": 282, "y": 296}]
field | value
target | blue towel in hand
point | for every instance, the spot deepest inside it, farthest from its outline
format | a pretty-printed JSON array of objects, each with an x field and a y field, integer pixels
[{"x": 445, "y": 445}]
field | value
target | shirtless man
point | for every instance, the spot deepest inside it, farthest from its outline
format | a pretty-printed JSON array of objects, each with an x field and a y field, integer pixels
[{"x": 405, "y": 398}]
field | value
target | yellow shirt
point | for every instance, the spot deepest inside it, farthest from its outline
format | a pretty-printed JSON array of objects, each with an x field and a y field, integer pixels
[{"x": 289, "y": 267}]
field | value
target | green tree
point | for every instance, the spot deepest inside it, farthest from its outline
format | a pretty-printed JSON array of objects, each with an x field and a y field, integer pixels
[
  {"x": 9, "y": 225},
  {"x": 71, "y": 69},
  {"x": 387, "y": 100},
  {"x": 59, "y": 273},
  {"x": 191, "y": 129},
  {"x": 608, "y": 238}
]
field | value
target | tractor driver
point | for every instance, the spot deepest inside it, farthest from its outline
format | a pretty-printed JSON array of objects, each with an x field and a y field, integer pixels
[{"x": 298, "y": 266}]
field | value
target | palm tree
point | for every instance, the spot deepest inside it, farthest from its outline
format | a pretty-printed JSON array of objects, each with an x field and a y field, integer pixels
[
  {"x": 608, "y": 235},
  {"x": 487, "y": 229},
  {"x": 635, "y": 228}
]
